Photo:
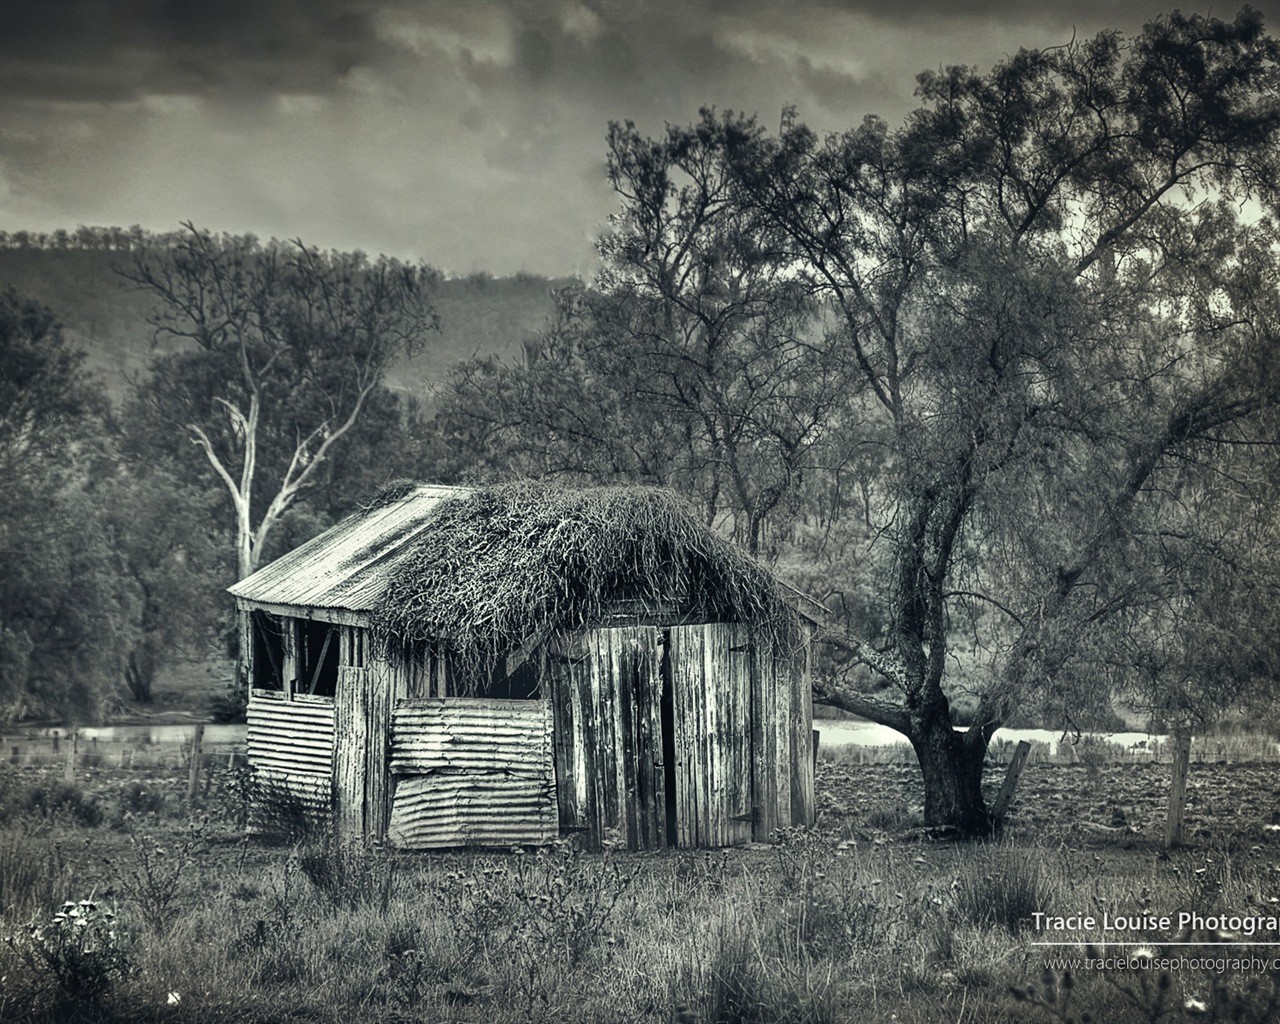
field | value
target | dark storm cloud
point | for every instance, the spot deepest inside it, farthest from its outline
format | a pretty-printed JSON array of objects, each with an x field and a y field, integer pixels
[
  {"x": 468, "y": 132},
  {"x": 119, "y": 50}
]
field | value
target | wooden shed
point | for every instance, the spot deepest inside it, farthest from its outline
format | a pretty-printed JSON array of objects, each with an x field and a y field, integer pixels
[{"x": 449, "y": 667}]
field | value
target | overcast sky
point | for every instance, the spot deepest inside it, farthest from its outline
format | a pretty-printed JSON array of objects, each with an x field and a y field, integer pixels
[{"x": 464, "y": 132}]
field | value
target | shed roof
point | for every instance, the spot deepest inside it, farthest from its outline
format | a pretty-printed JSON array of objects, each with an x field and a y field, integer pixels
[{"x": 350, "y": 565}]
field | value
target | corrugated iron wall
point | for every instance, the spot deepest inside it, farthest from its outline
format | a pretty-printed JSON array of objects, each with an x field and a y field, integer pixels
[
  {"x": 467, "y": 771},
  {"x": 290, "y": 743}
]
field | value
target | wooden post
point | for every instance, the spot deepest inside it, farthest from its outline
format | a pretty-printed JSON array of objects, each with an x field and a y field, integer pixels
[
  {"x": 193, "y": 775},
  {"x": 1178, "y": 787},
  {"x": 1010, "y": 781},
  {"x": 69, "y": 771}
]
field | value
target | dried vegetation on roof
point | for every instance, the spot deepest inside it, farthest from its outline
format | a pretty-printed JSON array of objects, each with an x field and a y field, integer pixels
[{"x": 520, "y": 563}]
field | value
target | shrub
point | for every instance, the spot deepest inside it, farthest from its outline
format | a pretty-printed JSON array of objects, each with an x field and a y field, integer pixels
[
  {"x": 50, "y": 802},
  {"x": 350, "y": 874},
  {"x": 77, "y": 951},
  {"x": 1006, "y": 894},
  {"x": 31, "y": 870},
  {"x": 277, "y": 814},
  {"x": 154, "y": 882}
]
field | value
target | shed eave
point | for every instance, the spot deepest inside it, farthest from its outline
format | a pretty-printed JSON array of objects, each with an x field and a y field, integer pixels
[{"x": 337, "y": 616}]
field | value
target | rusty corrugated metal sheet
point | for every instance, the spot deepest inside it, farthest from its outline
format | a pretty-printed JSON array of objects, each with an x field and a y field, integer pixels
[
  {"x": 440, "y": 733},
  {"x": 291, "y": 736},
  {"x": 438, "y": 811},
  {"x": 471, "y": 772},
  {"x": 290, "y": 744},
  {"x": 348, "y": 566}
]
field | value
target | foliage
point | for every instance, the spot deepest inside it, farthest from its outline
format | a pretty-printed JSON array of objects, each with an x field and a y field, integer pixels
[
  {"x": 1059, "y": 329},
  {"x": 350, "y": 874},
  {"x": 63, "y": 609},
  {"x": 817, "y": 927},
  {"x": 509, "y": 564},
  {"x": 173, "y": 560},
  {"x": 78, "y": 950},
  {"x": 157, "y": 882},
  {"x": 281, "y": 352},
  {"x": 697, "y": 361}
]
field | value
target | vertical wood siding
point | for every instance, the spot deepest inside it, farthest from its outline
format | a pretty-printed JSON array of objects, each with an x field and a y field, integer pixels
[
  {"x": 471, "y": 772},
  {"x": 607, "y": 696},
  {"x": 711, "y": 684},
  {"x": 351, "y": 740},
  {"x": 290, "y": 744},
  {"x": 741, "y": 726},
  {"x": 803, "y": 800}
]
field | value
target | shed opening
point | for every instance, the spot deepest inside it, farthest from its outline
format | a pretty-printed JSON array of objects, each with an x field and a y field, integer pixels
[
  {"x": 318, "y": 658},
  {"x": 509, "y": 679},
  {"x": 268, "y": 651}
]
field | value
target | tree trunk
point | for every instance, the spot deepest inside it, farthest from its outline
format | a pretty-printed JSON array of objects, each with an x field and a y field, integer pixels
[
  {"x": 140, "y": 671},
  {"x": 952, "y": 763}
]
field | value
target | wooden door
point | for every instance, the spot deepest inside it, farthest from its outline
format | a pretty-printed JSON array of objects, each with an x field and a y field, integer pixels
[
  {"x": 607, "y": 696},
  {"x": 712, "y": 716}
]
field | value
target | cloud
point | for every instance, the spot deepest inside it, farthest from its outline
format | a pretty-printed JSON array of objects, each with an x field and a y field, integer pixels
[{"x": 468, "y": 132}]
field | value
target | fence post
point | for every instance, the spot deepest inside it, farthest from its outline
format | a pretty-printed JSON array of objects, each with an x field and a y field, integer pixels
[
  {"x": 1010, "y": 781},
  {"x": 1178, "y": 787},
  {"x": 69, "y": 769},
  {"x": 193, "y": 776}
]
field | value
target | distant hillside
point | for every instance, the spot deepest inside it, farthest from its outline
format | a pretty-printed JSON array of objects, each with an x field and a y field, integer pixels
[{"x": 478, "y": 314}]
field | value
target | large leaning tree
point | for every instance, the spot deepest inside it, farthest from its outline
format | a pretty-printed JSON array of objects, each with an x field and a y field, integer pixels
[
  {"x": 275, "y": 355},
  {"x": 1058, "y": 285},
  {"x": 1048, "y": 305}
]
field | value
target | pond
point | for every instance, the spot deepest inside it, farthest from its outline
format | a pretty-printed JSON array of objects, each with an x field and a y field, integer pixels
[
  {"x": 841, "y": 733},
  {"x": 137, "y": 735}
]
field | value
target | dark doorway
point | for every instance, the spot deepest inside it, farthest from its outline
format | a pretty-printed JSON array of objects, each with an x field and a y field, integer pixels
[
  {"x": 669, "y": 741},
  {"x": 318, "y": 661},
  {"x": 268, "y": 651}
]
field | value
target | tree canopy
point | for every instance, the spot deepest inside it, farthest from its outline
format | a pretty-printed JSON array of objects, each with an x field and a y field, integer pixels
[
  {"x": 63, "y": 611},
  {"x": 980, "y": 369}
]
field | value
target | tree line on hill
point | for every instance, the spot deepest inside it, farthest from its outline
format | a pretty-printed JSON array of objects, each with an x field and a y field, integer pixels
[{"x": 999, "y": 386}]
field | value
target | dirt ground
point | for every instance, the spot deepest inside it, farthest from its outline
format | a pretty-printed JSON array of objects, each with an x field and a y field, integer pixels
[{"x": 1115, "y": 805}]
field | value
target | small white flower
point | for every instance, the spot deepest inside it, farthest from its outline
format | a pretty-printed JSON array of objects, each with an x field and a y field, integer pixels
[
  {"x": 1195, "y": 1006},
  {"x": 174, "y": 999},
  {"x": 1144, "y": 953}
]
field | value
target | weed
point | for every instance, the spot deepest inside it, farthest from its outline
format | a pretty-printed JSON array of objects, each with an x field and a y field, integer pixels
[
  {"x": 32, "y": 869},
  {"x": 1150, "y": 997},
  {"x": 77, "y": 951},
  {"x": 53, "y": 802},
  {"x": 153, "y": 883},
  {"x": 350, "y": 874},
  {"x": 277, "y": 814},
  {"x": 1014, "y": 886},
  {"x": 750, "y": 985}
]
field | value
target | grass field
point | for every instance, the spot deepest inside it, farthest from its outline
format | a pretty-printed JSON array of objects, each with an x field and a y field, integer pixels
[{"x": 185, "y": 920}]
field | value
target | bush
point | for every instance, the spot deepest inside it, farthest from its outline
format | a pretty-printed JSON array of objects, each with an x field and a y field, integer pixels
[
  {"x": 77, "y": 951},
  {"x": 50, "y": 802},
  {"x": 350, "y": 874},
  {"x": 1006, "y": 894},
  {"x": 277, "y": 814},
  {"x": 32, "y": 871}
]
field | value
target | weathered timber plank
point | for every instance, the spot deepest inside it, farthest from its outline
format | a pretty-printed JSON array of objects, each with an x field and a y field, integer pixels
[
  {"x": 803, "y": 800},
  {"x": 782, "y": 701},
  {"x": 764, "y": 745},
  {"x": 650, "y": 779}
]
